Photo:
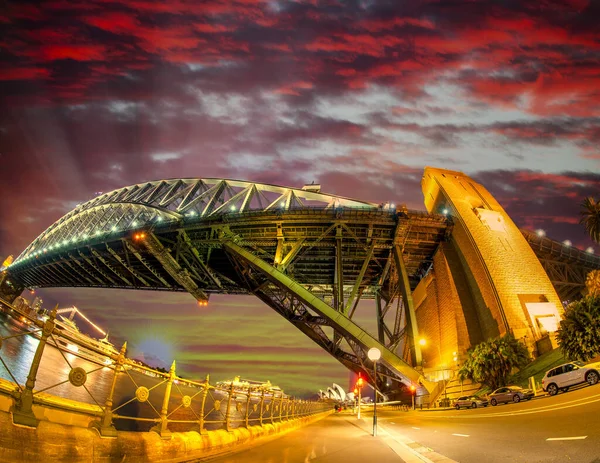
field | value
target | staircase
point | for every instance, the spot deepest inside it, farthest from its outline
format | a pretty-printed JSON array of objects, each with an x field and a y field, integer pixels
[{"x": 444, "y": 397}]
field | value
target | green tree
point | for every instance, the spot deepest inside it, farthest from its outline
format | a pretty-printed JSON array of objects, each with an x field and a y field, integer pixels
[
  {"x": 590, "y": 217},
  {"x": 491, "y": 362},
  {"x": 579, "y": 332},
  {"x": 592, "y": 282}
]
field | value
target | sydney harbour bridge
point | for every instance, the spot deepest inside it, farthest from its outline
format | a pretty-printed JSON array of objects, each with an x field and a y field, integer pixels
[{"x": 310, "y": 256}]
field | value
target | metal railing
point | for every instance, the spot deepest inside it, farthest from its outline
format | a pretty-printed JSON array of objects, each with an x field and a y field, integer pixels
[{"x": 148, "y": 399}]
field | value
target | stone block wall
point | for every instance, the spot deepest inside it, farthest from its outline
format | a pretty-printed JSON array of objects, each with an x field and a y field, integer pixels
[{"x": 499, "y": 265}]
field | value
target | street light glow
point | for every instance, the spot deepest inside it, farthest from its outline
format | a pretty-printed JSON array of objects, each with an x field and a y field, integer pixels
[
  {"x": 567, "y": 243},
  {"x": 374, "y": 354},
  {"x": 422, "y": 341},
  {"x": 590, "y": 250},
  {"x": 540, "y": 232}
]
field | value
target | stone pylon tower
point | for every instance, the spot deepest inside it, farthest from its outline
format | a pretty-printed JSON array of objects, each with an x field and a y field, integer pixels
[{"x": 488, "y": 269}]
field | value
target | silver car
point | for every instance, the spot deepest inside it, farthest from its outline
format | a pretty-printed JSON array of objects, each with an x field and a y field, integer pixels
[
  {"x": 470, "y": 401},
  {"x": 510, "y": 394}
]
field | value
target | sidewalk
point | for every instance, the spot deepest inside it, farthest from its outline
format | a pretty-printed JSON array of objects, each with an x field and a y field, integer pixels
[{"x": 339, "y": 438}]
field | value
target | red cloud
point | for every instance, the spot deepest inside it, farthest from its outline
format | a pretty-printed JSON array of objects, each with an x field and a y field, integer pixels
[
  {"x": 89, "y": 52},
  {"x": 30, "y": 73},
  {"x": 114, "y": 22}
]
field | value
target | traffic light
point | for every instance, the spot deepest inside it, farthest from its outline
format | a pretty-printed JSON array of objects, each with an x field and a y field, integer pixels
[
  {"x": 359, "y": 383},
  {"x": 413, "y": 388},
  {"x": 355, "y": 391}
]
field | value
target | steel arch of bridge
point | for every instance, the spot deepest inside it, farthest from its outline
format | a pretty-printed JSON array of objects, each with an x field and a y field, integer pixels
[{"x": 310, "y": 256}]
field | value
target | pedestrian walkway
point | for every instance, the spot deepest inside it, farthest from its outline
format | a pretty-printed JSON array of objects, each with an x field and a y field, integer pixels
[{"x": 339, "y": 438}]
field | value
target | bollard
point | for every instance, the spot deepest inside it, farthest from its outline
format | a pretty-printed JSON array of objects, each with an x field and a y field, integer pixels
[
  {"x": 248, "y": 406},
  {"x": 532, "y": 386},
  {"x": 22, "y": 411},
  {"x": 228, "y": 412},
  {"x": 205, "y": 389},
  {"x": 161, "y": 427},
  {"x": 105, "y": 426},
  {"x": 262, "y": 405}
]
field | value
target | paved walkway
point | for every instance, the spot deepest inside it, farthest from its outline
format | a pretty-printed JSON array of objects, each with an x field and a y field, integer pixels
[{"x": 339, "y": 438}]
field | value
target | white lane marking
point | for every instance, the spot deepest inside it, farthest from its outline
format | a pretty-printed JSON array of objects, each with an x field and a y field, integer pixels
[
  {"x": 461, "y": 435},
  {"x": 567, "y": 438},
  {"x": 415, "y": 428}
]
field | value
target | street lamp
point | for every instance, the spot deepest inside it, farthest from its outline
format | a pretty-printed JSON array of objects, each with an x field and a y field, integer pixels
[{"x": 374, "y": 354}]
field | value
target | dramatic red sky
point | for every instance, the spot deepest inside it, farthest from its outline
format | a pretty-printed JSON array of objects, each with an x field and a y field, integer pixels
[{"x": 356, "y": 95}]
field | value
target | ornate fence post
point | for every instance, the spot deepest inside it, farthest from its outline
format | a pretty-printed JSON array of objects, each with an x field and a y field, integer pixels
[
  {"x": 287, "y": 408},
  {"x": 161, "y": 428},
  {"x": 105, "y": 426},
  {"x": 262, "y": 405},
  {"x": 228, "y": 412},
  {"x": 281, "y": 405},
  {"x": 205, "y": 389},
  {"x": 248, "y": 406},
  {"x": 272, "y": 405},
  {"x": 23, "y": 408}
]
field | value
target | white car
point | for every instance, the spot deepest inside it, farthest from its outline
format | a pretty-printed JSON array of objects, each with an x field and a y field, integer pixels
[{"x": 570, "y": 374}]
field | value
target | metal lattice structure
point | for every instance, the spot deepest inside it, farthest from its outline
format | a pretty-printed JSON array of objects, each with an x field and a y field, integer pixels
[
  {"x": 310, "y": 256},
  {"x": 566, "y": 266}
]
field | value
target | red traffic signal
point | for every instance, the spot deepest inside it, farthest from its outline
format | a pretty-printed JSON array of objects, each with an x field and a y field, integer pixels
[
  {"x": 359, "y": 383},
  {"x": 413, "y": 388}
]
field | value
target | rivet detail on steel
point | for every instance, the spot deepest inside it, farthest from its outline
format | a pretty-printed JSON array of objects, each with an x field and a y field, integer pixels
[
  {"x": 217, "y": 404},
  {"x": 186, "y": 401}
]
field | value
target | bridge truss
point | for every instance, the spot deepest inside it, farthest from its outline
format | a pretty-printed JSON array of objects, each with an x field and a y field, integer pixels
[
  {"x": 311, "y": 257},
  {"x": 566, "y": 266}
]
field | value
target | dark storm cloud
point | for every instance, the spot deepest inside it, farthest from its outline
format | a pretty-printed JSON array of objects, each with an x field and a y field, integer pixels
[{"x": 548, "y": 201}]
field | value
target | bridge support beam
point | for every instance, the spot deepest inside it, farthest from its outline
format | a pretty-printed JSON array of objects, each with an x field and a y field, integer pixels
[
  {"x": 409, "y": 307},
  {"x": 180, "y": 275},
  {"x": 335, "y": 319}
]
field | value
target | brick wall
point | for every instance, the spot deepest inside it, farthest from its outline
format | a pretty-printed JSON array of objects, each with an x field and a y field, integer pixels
[{"x": 498, "y": 263}]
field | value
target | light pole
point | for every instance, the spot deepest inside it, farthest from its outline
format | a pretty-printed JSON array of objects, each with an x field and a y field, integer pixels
[{"x": 374, "y": 354}]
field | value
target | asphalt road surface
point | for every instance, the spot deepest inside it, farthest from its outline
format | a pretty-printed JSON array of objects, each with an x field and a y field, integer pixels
[{"x": 559, "y": 429}]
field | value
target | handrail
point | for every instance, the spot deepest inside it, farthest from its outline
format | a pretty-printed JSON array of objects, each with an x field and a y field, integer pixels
[{"x": 185, "y": 404}]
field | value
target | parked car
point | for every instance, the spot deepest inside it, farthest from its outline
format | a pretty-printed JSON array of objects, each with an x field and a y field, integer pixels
[
  {"x": 570, "y": 374},
  {"x": 510, "y": 394},
  {"x": 470, "y": 402}
]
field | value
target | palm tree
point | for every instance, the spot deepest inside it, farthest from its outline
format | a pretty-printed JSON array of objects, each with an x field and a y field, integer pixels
[
  {"x": 590, "y": 217},
  {"x": 491, "y": 362}
]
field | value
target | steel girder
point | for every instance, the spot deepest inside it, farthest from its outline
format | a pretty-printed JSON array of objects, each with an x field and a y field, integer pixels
[
  {"x": 298, "y": 305},
  {"x": 170, "y": 201},
  {"x": 566, "y": 266},
  {"x": 339, "y": 250}
]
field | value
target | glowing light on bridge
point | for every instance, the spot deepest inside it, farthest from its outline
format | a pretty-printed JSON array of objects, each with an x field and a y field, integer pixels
[
  {"x": 590, "y": 250},
  {"x": 541, "y": 233},
  {"x": 567, "y": 243}
]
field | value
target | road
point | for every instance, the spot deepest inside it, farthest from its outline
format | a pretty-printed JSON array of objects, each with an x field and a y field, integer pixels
[
  {"x": 339, "y": 438},
  {"x": 563, "y": 428}
]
